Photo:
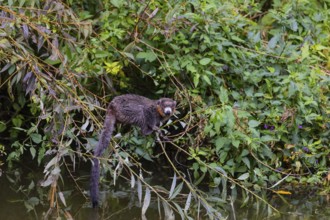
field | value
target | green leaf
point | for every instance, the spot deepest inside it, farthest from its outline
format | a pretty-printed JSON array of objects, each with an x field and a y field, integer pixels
[
  {"x": 117, "y": 3},
  {"x": 191, "y": 68},
  {"x": 21, "y": 3},
  {"x": 143, "y": 153},
  {"x": 304, "y": 51},
  {"x": 253, "y": 123},
  {"x": 271, "y": 69},
  {"x": 148, "y": 56},
  {"x": 129, "y": 55},
  {"x": 17, "y": 121},
  {"x": 267, "y": 138},
  {"x": 205, "y": 61},
  {"x": 52, "y": 62},
  {"x": 36, "y": 138},
  {"x": 223, "y": 95},
  {"x": 31, "y": 186},
  {"x": 196, "y": 79},
  {"x": 247, "y": 162},
  {"x": 292, "y": 89},
  {"x": 273, "y": 41},
  {"x": 33, "y": 152},
  {"x": 2, "y": 126},
  {"x": 235, "y": 38},
  {"x": 293, "y": 25},
  {"x": 235, "y": 143},
  {"x": 206, "y": 79},
  {"x": 101, "y": 54}
]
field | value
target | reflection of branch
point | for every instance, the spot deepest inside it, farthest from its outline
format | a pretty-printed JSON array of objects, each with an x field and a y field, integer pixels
[
  {"x": 73, "y": 178},
  {"x": 192, "y": 188},
  {"x": 219, "y": 171}
]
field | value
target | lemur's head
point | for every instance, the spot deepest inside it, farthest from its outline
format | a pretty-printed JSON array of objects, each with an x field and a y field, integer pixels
[{"x": 166, "y": 107}]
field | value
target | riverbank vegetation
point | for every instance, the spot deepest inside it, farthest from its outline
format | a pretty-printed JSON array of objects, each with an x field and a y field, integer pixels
[{"x": 251, "y": 79}]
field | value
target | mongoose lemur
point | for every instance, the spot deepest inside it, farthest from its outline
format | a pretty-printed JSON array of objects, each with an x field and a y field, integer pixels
[{"x": 129, "y": 109}]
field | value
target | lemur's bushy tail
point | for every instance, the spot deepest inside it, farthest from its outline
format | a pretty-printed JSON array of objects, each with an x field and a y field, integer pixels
[{"x": 104, "y": 141}]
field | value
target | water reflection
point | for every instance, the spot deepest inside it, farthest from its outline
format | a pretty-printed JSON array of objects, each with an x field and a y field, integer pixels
[
  {"x": 303, "y": 204},
  {"x": 121, "y": 203}
]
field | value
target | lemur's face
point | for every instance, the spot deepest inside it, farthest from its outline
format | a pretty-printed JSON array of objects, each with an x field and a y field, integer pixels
[{"x": 167, "y": 106}]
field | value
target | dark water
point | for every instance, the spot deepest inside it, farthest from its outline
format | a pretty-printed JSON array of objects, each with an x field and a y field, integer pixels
[
  {"x": 303, "y": 204},
  {"x": 122, "y": 204}
]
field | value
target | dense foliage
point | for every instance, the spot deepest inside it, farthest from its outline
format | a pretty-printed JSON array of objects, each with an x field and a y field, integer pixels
[{"x": 251, "y": 78}]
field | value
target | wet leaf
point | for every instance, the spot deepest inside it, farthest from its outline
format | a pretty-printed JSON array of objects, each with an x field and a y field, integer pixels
[
  {"x": 176, "y": 191},
  {"x": 279, "y": 182},
  {"x": 168, "y": 212},
  {"x": 27, "y": 76},
  {"x": 25, "y": 31},
  {"x": 84, "y": 126},
  {"x": 146, "y": 202},
  {"x": 56, "y": 171},
  {"x": 243, "y": 176},
  {"x": 62, "y": 198},
  {"x": 139, "y": 191},
  {"x": 33, "y": 201},
  {"x": 132, "y": 181},
  {"x": 52, "y": 162},
  {"x": 5, "y": 67},
  {"x": 188, "y": 202},
  {"x": 221, "y": 170},
  {"x": 179, "y": 209},
  {"x": 47, "y": 182},
  {"x": 172, "y": 186},
  {"x": 153, "y": 13},
  {"x": 31, "y": 85}
]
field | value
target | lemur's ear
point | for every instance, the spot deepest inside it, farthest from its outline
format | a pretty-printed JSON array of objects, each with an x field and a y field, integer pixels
[{"x": 174, "y": 103}]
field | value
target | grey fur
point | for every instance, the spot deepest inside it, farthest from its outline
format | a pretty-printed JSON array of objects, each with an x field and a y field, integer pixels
[{"x": 128, "y": 109}]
